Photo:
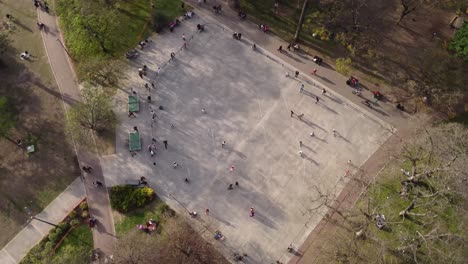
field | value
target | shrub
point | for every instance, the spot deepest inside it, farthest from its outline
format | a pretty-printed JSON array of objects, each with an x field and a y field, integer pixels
[
  {"x": 64, "y": 226},
  {"x": 72, "y": 214},
  {"x": 85, "y": 214},
  {"x": 53, "y": 237},
  {"x": 162, "y": 208},
  {"x": 125, "y": 197},
  {"x": 75, "y": 222},
  {"x": 160, "y": 20},
  {"x": 84, "y": 206},
  {"x": 48, "y": 247},
  {"x": 343, "y": 65},
  {"x": 459, "y": 44}
]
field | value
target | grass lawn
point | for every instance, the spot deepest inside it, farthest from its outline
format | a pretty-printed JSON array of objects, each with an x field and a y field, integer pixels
[
  {"x": 444, "y": 216},
  {"x": 128, "y": 221},
  {"x": 30, "y": 180},
  {"x": 77, "y": 246}
]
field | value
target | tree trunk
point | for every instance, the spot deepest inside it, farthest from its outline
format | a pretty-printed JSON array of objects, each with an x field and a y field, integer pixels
[
  {"x": 301, "y": 20},
  {"x": 234, "y": 4}
]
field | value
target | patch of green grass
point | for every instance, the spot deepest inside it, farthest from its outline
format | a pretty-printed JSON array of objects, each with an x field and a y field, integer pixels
[
  {"x": 76, "y": 246},
  {"x": 130, "y": 220}
]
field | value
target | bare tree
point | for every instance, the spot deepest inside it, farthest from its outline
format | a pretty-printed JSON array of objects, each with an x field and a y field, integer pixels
[{"x": 176, "y": 243}]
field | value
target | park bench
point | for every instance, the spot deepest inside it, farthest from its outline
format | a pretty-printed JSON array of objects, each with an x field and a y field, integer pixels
[
  {"x": 132, "y": 182},
  {"x": 133, "y": 104},
  {"x": 134, "y": 142}
]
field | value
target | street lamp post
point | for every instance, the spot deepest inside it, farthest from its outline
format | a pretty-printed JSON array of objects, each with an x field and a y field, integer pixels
[{"x": 38, "y": 219}]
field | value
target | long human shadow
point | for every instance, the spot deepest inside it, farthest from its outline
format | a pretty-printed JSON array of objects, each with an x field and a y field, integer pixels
[
  {"x": 308, "y": 148},
  {"x": 232, "y": 150},
  {"x": 312, "y": 124},
  {"x": 291, "y": 57},
  {"x": 328, "y": 108},
  {"x": 265, "y": 220},
  {"x": 326, "y": 79},
  {"x": 66, "y": 98},
  {"x": 21, "y": 25},
  {"x": 306, "y": 157},
  {"x": 336, "y": 100},
  {"x": 222, "y": 221}
]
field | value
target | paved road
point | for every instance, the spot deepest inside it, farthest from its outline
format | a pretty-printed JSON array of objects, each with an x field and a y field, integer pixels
[{"x": 98, "y": 198}]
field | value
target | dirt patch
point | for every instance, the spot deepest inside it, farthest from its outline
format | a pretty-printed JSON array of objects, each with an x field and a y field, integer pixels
[{"x": 31, "y": 180}]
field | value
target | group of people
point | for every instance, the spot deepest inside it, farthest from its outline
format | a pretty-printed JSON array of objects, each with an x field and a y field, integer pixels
[{"x": 149, "y": 226}]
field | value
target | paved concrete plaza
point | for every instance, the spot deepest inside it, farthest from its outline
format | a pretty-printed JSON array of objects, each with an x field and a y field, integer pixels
[{"x": 248, "y": 100}]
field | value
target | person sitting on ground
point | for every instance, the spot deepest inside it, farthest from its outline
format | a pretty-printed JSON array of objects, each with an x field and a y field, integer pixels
[
  {"x": 189, "y": 14},
  {"x": 296, "y": 47},
  {"x": 25, "y": 55}
]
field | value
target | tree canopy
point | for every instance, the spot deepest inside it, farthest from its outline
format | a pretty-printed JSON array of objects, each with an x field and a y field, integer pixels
[{"x": 93, "y": 113}]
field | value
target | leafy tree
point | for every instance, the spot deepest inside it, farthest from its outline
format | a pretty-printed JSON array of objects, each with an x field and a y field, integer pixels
[
  {"x": 343, "y": 65},
  {"x": 7, "y": 117},
  {"x": 101, "y": 72},
  {"x": 459, "y": 43},
  {"x": 103, "y": 28},
  {"x": 93, "y": 113}
]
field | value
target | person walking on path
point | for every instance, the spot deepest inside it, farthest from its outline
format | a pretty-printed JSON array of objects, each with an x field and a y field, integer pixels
[
  {"x": 230, "y": 187},
  {"x": 223, "y": 144},
  {"x": 317, "y": 99},
  {"x": 324, "y": 92},
  {"x": 297, "y": 74},
  {"x": 237, "y": 184},
  {"x": 165, "y": 144},
  {"x": 300, "y": 116},
  {"x": 183, "y": 37},
  {"x": 314, "y": 71},
  {"x": 252, "y": 212},
  {"x": 87, "y": 169},
  {"x": 302, "y": 88},
  {"x": 292, "y": 113},
  {"x": 334, "y": 132},
  {"x": 207, "y": 211},
  {"x": 280, "y": 49},
  {"x": 172, "y": 56},
  {"x": 289, "y": 47},
  {"x": 98, "y": 184},
  {"x": 300, "y": 144}
]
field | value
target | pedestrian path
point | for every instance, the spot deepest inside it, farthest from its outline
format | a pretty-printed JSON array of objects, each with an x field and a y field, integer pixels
[
  {"x": 62, "y": 68},
  {"x": 35, "y": 230}
]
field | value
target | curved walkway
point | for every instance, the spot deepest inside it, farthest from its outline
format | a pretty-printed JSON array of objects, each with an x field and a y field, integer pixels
[{"x": 98, "y": 198}]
